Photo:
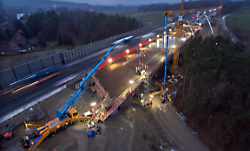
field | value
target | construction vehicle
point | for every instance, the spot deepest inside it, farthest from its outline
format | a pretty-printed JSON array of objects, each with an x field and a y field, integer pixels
[
  {"x": 36, "y": 135},
  {"x": 8, "y": 135},
  {"x": 68, "y": 115}
]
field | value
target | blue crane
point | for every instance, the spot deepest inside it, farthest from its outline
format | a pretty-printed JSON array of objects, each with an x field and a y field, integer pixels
[
  {"x": 165, "y": 45},
  {"x": 62, "y": 114}
]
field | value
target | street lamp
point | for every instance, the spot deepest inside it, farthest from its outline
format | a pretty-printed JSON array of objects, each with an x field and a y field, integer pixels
[
  {"x": 162, "y": 58},
  {"x": 140, "y": 45},
  {"x": 173, "y": 46},
  {"x": 110, "y": 60},
  {"x": 131, "y": 82},
  {"x": 183, "y": 39},
  {"x": 92, "y": 104},
  {"x": 127, "y": 51}
]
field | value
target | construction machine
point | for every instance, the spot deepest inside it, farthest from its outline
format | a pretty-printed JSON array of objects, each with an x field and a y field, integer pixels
[{"x": 66, "y": 116}]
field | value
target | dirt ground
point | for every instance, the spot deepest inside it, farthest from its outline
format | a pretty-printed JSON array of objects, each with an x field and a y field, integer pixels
[
  {"x": 132, "y": 128},
  {"x": 45, "y": 111},
  {"x": 129, "y": 129}
]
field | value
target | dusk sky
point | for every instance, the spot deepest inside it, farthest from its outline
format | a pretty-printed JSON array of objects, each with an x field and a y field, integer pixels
[{"x": 123, "y": 2}]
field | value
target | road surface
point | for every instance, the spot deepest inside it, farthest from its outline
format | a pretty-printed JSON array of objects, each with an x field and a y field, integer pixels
[
  {"x": 19, "y": 99},
  {"x": 234, "y": 39},
  {"x": 135, "y": 128}
]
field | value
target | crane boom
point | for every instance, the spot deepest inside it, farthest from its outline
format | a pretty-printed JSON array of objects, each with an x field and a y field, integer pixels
[
  {"x": 68, "y": 114},
  {"x": 165, "y": 45},
  {"x": 61, "y": 114}
]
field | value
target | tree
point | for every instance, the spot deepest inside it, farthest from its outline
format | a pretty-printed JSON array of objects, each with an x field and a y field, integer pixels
[{"x": 72, "y": 27}]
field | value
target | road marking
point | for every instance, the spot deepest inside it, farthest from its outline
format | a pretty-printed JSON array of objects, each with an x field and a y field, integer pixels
[
  {"x": 67, "y": 79},
  {"x": 26, "y": 78},
  {"x": 27, "y": 106}
]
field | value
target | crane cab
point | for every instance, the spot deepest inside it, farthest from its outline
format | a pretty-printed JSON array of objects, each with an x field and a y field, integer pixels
[{"x": 72, "y": 113}]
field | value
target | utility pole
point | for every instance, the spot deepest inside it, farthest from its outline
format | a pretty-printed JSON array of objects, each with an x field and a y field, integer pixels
[
  {"x": 179, "y": 27},
  {"x": 221, "y": 7},
  {"x": 142, "y": 67}
]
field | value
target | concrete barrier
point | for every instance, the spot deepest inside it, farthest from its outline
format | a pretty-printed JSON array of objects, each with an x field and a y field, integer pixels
[
  {"x": 21, "y": 71},
  {"x": 7, "y": 76},
  {"x": 57, "y": 59},
  {"x": 35, "y": 66},
  {"x": 47, "y": 62},
  {"x": 65, "y": 58}
]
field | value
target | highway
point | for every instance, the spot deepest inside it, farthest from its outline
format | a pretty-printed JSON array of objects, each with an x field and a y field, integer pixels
[
  {"x": 137, "y": 128},
  {"x": 233, "y": 37},
  {"x": 165, "y": 119},
  {"x": 13, "y": 101},
  {"x": 115, "y": 77},
  {"x": 22, "y": 99},
  {"x": 30, "y": 92}
]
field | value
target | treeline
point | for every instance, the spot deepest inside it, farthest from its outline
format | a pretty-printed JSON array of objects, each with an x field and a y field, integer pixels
[
  {"x": 216, "y": 96},
  {"x": 65, "y": 27},
  {"x": 229, "y": 6},
  {"x": 188, "y": 5}
]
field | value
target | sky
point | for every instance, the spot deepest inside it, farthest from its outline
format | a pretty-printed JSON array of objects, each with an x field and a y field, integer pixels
[{"x": 123, "y": 2}]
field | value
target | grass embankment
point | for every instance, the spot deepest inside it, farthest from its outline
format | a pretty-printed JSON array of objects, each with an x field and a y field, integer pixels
[
  {"x": 216, "y": 93},
  {"x": 148, "y": 18},
  {"x": 239, "y": 23}
]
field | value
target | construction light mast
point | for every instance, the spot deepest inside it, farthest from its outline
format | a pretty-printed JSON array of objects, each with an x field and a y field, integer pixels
[
  {"x": 221, "y": 7},
  {"x": 182, "y": 11},
  {"x": 179, "y": 27},
  {"x": 165, "y": 47}
]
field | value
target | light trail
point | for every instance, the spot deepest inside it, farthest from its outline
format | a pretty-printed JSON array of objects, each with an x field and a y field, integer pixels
[
  {"x": 25, "y": 107},
  {"x": 65, "y": 80}
]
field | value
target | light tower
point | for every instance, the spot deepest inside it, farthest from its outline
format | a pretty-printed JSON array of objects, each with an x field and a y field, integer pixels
[
  {"x": 165, "y": 48},
  {"x": 221, "y": 6},
  {"x": 141, "y": 67},
  {"x": 179, "y": 26}
]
